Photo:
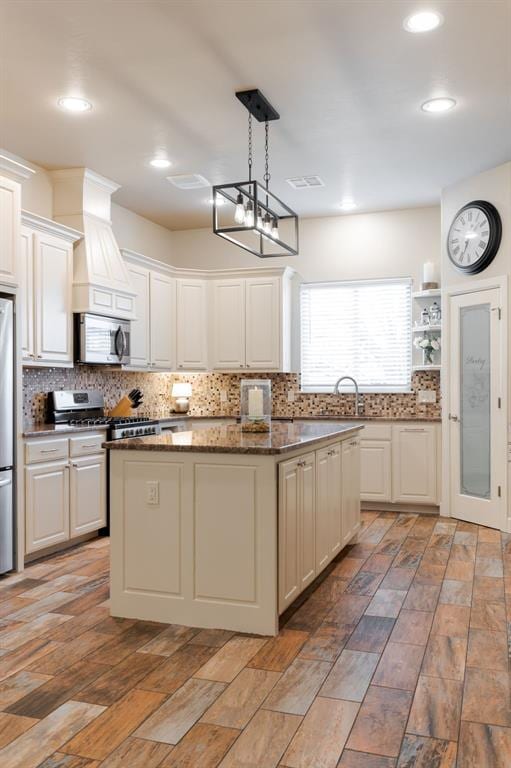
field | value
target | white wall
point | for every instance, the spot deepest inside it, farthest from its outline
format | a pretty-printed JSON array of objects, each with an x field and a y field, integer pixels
[{"x": 371, "y": 245}]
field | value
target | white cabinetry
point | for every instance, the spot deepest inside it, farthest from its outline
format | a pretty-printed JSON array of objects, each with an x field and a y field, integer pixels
[
  {"x": 329, "y": 512},
  {"x": 191, "y": 328},
  {"x": 140, "y": 327},
  {"x": 87, "y": 495},
  {"x": 350, "y": 488},
  {"x": 414, "y": 464},
  {"x": 375, "y": 470},
  {"x": 10, "y": 212},
  {"x": 297, "y": 559},
  {"x": 46, "y": 504},
  {"x": 163, "y": 321},
  {"x": 228, "y": 324},
  {"x": 65, "y": 489},
  {"x": 46, "y": 267},
  {"x": 263, "y": 323}
]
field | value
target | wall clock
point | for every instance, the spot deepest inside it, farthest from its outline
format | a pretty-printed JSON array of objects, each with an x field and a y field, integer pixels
[{"x": 474, "y": 236}]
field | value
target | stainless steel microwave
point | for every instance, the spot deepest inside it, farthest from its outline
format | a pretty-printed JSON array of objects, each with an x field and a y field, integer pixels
[{"x": 101, "y": 340}]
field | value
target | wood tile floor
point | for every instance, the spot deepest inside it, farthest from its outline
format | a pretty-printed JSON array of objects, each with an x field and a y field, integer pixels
[{"x": 399, "y": 658}]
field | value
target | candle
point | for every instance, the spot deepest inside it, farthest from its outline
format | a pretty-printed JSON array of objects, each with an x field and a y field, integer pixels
[
  {"x": 255, "y": 403},
  {"x": 429, "y": 272}
]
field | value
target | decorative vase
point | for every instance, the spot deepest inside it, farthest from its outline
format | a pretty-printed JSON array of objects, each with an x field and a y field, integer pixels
[{"x": 427, "y": 356}]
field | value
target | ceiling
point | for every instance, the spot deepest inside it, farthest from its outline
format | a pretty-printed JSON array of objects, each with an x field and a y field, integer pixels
[{"x": 347, "y": 80}]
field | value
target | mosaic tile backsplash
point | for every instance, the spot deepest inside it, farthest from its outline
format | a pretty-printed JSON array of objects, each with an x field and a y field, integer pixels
[{"x": 207, "y": 390}]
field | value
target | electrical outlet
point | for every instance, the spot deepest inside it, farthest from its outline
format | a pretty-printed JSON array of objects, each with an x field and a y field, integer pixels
[
  {"x": 223, "y": 396},
  {"x": 152, "y": 492},
  {"x": 426, "y": 396},
  {"x": 290, "y": 396}
]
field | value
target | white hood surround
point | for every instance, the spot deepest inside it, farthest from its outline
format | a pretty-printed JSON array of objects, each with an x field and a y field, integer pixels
[{"x": 101, "y": 282}]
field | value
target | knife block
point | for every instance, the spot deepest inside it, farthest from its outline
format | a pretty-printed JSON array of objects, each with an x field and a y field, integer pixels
[{"x": 123, "y": 407}]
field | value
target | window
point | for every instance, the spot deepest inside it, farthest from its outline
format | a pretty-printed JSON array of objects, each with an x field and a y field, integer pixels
[{"x": 360, "y": 329}]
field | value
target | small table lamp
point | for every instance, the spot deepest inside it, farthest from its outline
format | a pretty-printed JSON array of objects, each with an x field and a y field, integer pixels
[{"x": 182, "y": 393}]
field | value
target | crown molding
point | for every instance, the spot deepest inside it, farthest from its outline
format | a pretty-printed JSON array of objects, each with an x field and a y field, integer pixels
[
  {"x": 14, "y": 168},
  {"x": 41, "y": 224}
]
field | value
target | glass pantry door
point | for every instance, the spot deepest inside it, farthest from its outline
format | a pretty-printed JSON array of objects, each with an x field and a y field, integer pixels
[{"x": 476, "y": 421}]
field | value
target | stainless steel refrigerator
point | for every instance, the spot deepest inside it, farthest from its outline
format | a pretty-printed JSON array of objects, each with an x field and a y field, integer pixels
[{"x": 6, "y": 435}]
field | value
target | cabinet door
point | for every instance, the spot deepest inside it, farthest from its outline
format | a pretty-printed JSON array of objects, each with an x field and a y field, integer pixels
[
  {"x": 375, "y": 470},
  {"x": 87, "y": 498},
  {"x": 350, "y": 488},
  {"x": 335, "y": 499},
  {"x": 228, "y": 324},
  {"x": 10, "y": 222},
  {"x": 263, "y": 326},
  {"x": 26, "y": 305},
  {"x": 191, "y": 325},
  {"x": 46, "y": 505},
  {"x": 163, "y": 321},
  {"x": 53, "y": 276},
  {"x": 323, "y": 509},
  {"x": 414, "y": 464},
  {"x": 307, "y": 520},
  {"x": 289, "y": 540},
  {"x": 139, "y": 331}
]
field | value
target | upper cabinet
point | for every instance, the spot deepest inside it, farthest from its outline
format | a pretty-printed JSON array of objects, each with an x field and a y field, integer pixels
[
  {"x": 10, "y": 217},
  {"x": 46, "y": 267},
  {"x": 192, "y": 325},
  {"x": 251, "y": 321},
  {"x": 162, "y": 322},
  {"x": 228, "y": 324},
  {"x": 140, "y": 327}
]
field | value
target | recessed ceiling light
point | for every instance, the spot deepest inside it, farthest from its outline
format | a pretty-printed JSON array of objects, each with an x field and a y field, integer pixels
[
  {"x": 347, "y": 204},
  {"x": 442, "y": 104},
  {"x": 74, "y": 104},
  {"x": 160, "y": 162},
  {"x": 424, "y": 21}
]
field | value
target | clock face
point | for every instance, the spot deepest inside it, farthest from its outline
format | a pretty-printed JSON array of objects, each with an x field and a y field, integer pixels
[{"x": 474, "y": 236}]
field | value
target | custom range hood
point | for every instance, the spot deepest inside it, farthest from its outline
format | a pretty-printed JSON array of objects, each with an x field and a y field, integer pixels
[{"x": 101, "y": 281}]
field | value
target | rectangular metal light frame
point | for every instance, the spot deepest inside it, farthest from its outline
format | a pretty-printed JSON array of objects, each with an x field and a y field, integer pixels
[{"x": 257, "y": 193}]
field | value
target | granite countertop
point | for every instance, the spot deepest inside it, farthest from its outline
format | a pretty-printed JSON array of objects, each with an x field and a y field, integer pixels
[
  {"x": 284, "y": 437},
  {"x": 322, "y": 417},
  {"x": 54, "y": 430}
]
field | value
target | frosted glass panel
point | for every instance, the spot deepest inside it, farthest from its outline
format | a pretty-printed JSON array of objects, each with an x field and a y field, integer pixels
[{"x": 475, "y": 401}]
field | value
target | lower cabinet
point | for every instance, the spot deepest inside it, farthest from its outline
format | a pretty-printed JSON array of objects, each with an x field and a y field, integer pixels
[
  {"x": 65, "y": 498},
  {"x": 375, "y": 470},
  {"x": 46, "y": 505},
  {"x": 87, "y": 495},
  {"x": 319, "y": 512},
  {"x": 350, "y": 488},
  {"x": 297, "y": 502}
]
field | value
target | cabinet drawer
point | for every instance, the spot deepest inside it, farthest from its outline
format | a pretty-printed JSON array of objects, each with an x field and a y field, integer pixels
[
  {"x": 86, "y": 445},
  {"x": 373, "y": 431},
  {"x": 45, "y": 450}
]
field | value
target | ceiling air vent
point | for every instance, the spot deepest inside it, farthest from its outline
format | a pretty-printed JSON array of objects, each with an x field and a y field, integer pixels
[
  {"x": 189, "y": 181},
  {"x": 305, "y": 182}
]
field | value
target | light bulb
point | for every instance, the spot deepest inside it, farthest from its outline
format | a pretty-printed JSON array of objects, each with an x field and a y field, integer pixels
[
  {"x": 259, "y": 221},
  {"x": 275, "y": 229},
  {"x": 239, "y": 213},
  {"x": 249, "y": 214},
  {"x": 267, "y": 223}
]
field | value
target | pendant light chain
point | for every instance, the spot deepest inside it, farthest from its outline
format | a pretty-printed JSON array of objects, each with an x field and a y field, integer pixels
[
  {"x": 266, "y": 155},
  {"x": 250, "y": 146}
]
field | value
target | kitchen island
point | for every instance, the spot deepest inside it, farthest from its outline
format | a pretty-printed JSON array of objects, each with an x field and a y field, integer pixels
[{"x": 219, "y": 528}]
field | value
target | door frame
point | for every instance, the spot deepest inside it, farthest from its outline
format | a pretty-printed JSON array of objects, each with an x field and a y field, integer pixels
[{"x": 501, "y": 283}]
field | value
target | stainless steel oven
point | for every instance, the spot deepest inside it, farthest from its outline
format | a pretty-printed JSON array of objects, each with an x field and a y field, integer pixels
[{"x": 101, "y": 340}]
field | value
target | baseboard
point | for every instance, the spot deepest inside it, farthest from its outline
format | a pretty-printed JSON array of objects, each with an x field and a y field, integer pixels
[
  {"x": 61, "y": 547},
  {"x": 421, "y": 509}
]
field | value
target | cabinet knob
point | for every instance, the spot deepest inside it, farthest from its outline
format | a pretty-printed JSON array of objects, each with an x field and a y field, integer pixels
[{"x": 39, "y": 357}]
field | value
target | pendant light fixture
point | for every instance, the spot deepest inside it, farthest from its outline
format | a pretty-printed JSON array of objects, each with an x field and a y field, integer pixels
[{"x": 247, "y": 213}]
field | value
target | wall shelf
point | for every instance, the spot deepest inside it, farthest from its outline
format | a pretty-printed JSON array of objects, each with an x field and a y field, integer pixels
[
  {"x": 426, "y": 328},
  {"x": 426, "y": 368},
  {"x": 434, "y": 292}
]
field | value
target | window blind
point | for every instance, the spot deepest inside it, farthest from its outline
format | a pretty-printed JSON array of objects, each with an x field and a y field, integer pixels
[{"x": 360, "y": 329}]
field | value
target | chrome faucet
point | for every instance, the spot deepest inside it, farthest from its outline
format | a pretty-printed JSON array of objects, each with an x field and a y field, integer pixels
[{"x": 359, "y": 401}]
